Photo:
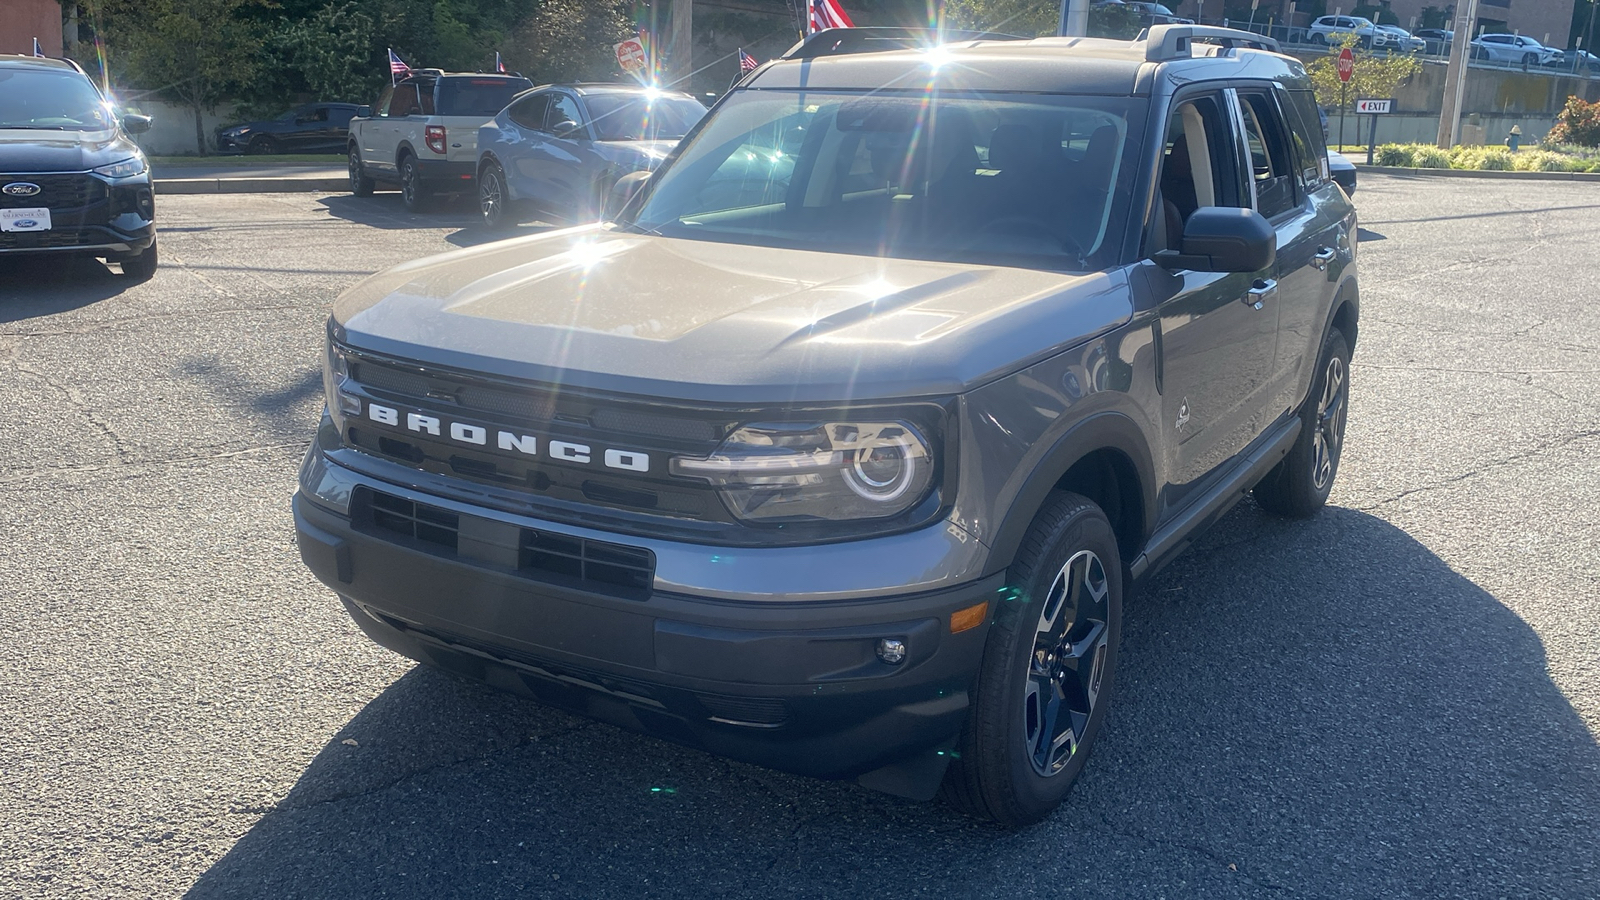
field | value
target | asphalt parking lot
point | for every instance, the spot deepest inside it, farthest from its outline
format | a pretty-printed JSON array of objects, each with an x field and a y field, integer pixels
[{"x": 1398, "y": 698}]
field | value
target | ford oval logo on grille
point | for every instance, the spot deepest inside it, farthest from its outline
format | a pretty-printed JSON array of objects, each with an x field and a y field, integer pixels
[{"x": 21, "y": 189}]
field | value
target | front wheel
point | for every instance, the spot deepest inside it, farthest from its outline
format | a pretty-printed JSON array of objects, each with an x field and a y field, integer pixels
[
  {"x": 1299, "y": 484},
  {"x": 1530, "y": 59},
  {"x": 1045, "y": 681},
  {"x": 143, "y": 266}
]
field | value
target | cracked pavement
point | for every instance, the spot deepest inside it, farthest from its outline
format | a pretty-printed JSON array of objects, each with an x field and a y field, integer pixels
[{"x": 1400, "y": 697}]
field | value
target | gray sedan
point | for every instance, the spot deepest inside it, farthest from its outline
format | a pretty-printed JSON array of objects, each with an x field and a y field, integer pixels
[{"x": 556, "y": 150}]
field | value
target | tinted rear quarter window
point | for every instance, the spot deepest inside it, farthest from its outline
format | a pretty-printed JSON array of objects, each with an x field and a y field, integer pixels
[{"x": 485, "y": 96}]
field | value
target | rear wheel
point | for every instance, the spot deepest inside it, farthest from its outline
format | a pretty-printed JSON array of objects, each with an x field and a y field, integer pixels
[
  {"x": 492, "y": 197},
  {"x": 1045, "y": 680},
  {"x": 411, "y": 189},
  {"x": 1299, "y": 485},
  {"x": 360, "y": 184},
  {"x": 1318, "y": 38},
  {"x": 141, "y": 267}
]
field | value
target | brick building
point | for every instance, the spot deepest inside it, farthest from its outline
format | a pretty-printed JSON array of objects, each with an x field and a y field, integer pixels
[
  {"x": 1535, "y": 18},
  {"x": 23, "y": 20}
]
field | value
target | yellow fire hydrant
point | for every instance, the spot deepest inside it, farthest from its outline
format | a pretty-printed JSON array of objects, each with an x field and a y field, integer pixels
[{"x": 1514, "y": 139}]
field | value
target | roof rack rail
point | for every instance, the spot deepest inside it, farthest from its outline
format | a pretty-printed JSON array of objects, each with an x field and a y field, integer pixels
[
  {"x": 1169, "y": 42},
  {"x": 842, "y": 41}
]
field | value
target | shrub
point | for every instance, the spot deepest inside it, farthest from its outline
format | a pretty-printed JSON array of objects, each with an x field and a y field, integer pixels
[
  {"x": 1393, "y": 155},
  {"x": 1579, "y": 123},
  {"x": 1491, "y": 158},
  {"x": 1425, "y": 157}
]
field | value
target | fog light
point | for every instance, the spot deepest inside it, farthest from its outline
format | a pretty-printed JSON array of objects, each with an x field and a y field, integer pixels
[{"x": 891, "y": 651}]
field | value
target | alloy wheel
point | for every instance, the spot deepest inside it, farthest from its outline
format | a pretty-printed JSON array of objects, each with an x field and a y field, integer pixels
[
  {"x": 355, "y": 171},
  {"x": 491, "y": 199},
  {"x": 1067, "y": 664},
  {"x": 1330, "y": 424}
]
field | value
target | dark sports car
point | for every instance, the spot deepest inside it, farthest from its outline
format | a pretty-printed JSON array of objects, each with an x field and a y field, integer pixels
[{"x": 312, "y": 128}]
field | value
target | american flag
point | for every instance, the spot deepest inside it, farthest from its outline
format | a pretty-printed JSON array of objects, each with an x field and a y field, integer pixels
[
  {"x": 747, "y": 63},
  {"x": 498, "y": 65},
  {"x": 397, "y": 66},
  {"x": 828, "y": 14},
  {"x": 36, "y": 50}
]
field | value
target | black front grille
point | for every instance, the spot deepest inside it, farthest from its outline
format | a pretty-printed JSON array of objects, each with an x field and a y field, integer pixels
[
  {"x": 767, "y": 712},
  {"x": 586, "y": 560},
  {"x": 417, "y": 521},
  {"x": 55, "y": 191},
  {"x": 55, "y": 238},
  {"x": 535, "y": 554}
]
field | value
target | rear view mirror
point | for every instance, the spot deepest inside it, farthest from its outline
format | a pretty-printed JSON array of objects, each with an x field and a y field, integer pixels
[
  {"x": 1223, "y": 239},
  {"x": 133, "y": 123},
  {"x": 623, "y": 192}
]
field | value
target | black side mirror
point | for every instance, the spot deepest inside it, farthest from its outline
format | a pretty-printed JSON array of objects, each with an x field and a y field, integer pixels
[
  {"x": 1223, "y": 239},
  {"x": 568, "y": 129},
  {"x": 364, "y": 112},
  {"x": 133, "y": 123},
  {"x": 622, "y": 193}
]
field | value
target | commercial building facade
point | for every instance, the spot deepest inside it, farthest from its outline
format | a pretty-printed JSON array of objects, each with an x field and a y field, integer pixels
[{"x": 23, "y": 20}]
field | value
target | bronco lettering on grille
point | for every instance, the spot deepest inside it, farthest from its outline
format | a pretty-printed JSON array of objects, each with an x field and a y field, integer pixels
[{"x": 477, "y": 435}]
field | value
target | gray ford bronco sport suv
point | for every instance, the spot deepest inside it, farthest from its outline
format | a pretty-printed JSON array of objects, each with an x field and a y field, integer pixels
[{"x": 837, "y": 450}]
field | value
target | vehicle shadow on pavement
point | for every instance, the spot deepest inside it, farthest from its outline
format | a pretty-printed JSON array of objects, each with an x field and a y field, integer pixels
[
  {"x": 36, "y": 287},
  {"x": 1323, "y": 707},
  {"x": 388, "y": 211}
]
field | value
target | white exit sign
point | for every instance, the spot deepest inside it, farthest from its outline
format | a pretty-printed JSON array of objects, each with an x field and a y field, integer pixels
[{"x": 1375, "y": 107}]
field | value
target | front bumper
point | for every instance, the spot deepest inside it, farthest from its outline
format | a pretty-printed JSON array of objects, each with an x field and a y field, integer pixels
[
  {"x": 88, "y": 214},
  {"x": 789, "y": 682}
]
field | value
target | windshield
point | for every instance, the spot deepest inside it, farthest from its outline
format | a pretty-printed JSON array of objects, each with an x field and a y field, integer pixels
[
  {"x": 1025, "y": 179},
  {"x": 478, "y": 96},
  {"x": 63, "y": 101},
  {"x": 638, "y": 117}
]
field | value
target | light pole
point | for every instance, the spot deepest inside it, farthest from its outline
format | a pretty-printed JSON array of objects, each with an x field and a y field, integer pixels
[{"x": 1455, "y": 79}]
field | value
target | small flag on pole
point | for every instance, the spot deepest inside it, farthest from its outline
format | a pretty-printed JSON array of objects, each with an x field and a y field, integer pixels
[
  {"x": 36, "y": 50},
  {"x": 828, "y": 14},
  {"x": 747, "y": 63},
  {"x": 498, "y": 65},
  {"x": 397, "y": 66}
]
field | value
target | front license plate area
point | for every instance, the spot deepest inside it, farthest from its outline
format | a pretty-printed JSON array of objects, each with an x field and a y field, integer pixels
[{"x": 25, "y": 219}]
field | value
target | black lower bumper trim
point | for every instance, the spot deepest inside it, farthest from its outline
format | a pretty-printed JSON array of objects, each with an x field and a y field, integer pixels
[{"x": 793, "y": 686}]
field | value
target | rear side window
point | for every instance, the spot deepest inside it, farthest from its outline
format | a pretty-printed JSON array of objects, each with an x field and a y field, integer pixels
[
  {"x": 484, "y": 96},
  {"x": 1311, "y": 151},
  {"x": 529, "y": 111},
  {"x": 1271, "y": 165},
  {"x": 404, "y": 102}
]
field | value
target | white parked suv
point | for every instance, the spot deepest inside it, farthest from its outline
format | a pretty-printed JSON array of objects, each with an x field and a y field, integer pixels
[
  {"x": 422, "y": 134},
  {"x": 1334, "y": 29},
  {"x": 1514, "y": 48},
  {"x": 1400, "y": 40}
]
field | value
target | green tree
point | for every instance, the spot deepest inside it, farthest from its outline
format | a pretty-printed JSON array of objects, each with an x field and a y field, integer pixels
[
  {"x": 570, "y": 40},
  {"x": 1375, "y": 76},
  {"x": 331, "y": 52},
  {"x": 193, "y": 52}
]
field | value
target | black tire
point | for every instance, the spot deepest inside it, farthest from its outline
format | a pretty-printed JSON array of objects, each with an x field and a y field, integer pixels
[
  {"x": 1009, "y": 768},
  {"x": 261, "y": 145},
  {"x": 1530, "y": 59},
  {"x": 360, "y": 184},
  {"x": 1298, "y": 485},
  {"x": 416, "y": 198},
  {"x": 493, "y": 198},
  {"x": 1319, "y": 38},
  {"x": 141, "y": 267}
]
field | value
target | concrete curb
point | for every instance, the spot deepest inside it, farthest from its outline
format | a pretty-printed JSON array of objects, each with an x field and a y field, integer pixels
[
  {"x": 278, "y": 185},
  {"x": 1481, "y": 173}
]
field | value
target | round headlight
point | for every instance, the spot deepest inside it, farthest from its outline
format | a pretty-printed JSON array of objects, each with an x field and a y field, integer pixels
[{"x": 882, "y": 470}]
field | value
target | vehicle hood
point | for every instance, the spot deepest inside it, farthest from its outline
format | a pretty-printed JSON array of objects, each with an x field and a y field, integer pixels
[
  {"x": 23, "y": 151},
  {"x": 723, "y": 323}
]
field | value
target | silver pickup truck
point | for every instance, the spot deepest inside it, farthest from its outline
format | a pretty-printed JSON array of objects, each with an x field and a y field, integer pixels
[{"x": 423, "y": 133}]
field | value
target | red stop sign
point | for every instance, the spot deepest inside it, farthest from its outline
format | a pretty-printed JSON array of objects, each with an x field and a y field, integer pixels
[{"x": 1346, "y": 64}]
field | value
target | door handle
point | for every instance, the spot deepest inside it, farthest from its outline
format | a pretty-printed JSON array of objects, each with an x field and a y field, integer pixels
[
  {"x": 1260, "y": 292},
  {"x": 1323, "y": 257}
]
